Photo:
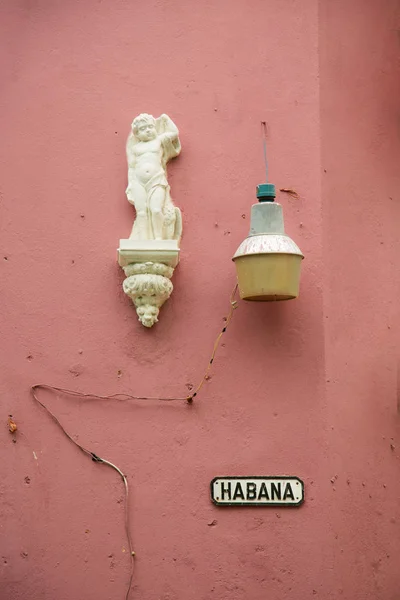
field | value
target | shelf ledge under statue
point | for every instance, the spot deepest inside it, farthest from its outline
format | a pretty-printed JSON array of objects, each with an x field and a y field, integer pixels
[{"x": 151, "y": 253}]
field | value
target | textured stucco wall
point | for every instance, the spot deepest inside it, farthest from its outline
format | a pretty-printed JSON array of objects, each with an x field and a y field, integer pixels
[
  {"x": 359, "y": 52},
  {"x": 306, "y": 387}
]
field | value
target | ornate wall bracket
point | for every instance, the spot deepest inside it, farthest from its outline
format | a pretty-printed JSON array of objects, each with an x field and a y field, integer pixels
[
  {"x": 151, "y": 253},
  {"x": 148, "y": 266}
]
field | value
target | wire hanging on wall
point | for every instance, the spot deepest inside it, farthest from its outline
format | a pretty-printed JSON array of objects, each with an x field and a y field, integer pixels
[
  {"x": 264, "y": 134},
  {"x": 188, "y": 398}
]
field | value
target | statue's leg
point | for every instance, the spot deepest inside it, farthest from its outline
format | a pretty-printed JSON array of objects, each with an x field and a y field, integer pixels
[
  {"x": 157, "y": 201},
  {"x": 138, "y": 195}
]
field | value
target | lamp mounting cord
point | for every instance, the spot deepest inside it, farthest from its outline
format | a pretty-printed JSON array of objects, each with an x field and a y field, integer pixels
[
  {"x": 189, "y": 399},
  {"x": 264, "y": 136}
]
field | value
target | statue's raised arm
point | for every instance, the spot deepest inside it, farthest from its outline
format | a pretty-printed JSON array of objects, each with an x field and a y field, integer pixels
[{"x": 168, "y": 132}]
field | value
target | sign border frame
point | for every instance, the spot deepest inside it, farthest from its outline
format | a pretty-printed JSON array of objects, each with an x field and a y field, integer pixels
[{"x": 256, "y": 504}]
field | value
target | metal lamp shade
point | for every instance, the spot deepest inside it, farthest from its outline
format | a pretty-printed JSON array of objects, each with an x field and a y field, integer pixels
[{"x": 268, "y": 262}]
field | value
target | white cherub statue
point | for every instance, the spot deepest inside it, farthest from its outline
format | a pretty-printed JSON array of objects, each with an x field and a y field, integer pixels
[{"x": 151, "y": 144}]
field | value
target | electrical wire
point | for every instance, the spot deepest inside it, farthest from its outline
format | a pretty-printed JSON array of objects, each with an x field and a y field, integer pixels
[
  {"x": 98, "y": 459},
  {"x": 95, "y": 458},
  {"x": 264, "y": 134},
  {"x": 228, "y": 319}
]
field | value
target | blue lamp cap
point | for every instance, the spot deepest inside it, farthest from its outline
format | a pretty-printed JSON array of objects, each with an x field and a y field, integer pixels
[{"x": 266, "y": 192}]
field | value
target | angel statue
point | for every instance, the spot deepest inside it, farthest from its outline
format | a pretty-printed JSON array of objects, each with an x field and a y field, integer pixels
[{"x": 151, "y": 144}]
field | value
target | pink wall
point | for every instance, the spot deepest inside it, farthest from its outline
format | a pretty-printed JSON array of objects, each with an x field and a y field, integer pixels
[
  {"x": 360, "y": 189},
  {"x": 305, "y": 388}
]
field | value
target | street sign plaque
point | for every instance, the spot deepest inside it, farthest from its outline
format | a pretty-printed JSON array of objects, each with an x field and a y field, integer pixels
[{"x": 257, "y": 491}]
